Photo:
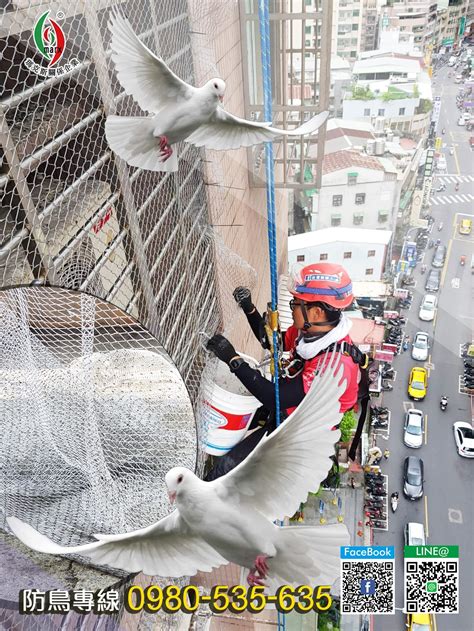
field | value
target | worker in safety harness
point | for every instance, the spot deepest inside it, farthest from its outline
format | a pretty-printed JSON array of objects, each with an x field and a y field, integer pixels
[{"x": 321, "y": 291}]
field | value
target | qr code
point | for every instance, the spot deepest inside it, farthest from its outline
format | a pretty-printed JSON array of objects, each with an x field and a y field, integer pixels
[
  {"x": 368, "y": 587},
  {"x": 431, "y": 586}
]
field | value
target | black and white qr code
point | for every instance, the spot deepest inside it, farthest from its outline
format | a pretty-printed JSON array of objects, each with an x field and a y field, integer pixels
[
  {"x": 368, "y": 587},
  {"x": 432, "y": 586}
]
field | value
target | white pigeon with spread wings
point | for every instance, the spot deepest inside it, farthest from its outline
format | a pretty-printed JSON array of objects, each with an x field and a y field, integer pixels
[
  {"x": 231, "y": 519},
  {"x": 179, "y": 110}
]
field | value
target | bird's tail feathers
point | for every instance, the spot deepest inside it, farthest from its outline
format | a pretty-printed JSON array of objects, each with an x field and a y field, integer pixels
[
  {"x": 307, "y": 555},
  {"x": 131, "y": 137}
]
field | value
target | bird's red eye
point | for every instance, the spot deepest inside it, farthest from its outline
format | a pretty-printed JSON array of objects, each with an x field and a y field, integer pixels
[{"x": 180, "y": 478}]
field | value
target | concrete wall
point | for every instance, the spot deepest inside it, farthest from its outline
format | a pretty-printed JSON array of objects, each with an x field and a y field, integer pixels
[{"x": 238, "y": 211}]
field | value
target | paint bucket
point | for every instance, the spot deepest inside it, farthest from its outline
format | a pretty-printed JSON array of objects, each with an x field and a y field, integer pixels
[{"x": 228, "y": 409}]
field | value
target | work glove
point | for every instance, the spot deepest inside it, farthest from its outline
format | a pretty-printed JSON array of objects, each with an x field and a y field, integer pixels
[
  {"x": 222, "y": 348},
  {"x": 243, "y": 298}
]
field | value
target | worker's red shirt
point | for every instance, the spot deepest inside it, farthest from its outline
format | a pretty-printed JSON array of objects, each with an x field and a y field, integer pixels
[{"x": 351, "y": 370}]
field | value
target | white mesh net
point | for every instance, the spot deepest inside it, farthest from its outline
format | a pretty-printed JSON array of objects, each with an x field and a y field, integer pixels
[{"x": 93, "y": 416}]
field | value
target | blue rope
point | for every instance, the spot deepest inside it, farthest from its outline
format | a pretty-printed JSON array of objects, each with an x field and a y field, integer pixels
[{"x": 264, "y": 21}]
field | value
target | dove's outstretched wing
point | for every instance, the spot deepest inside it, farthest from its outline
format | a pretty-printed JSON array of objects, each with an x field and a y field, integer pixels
[
  {"x": 226, "y": 131},
  {"x": 285, "y": 466},
  {"x": 141, "y": 73},
  {"x": 165, "y": 548}
]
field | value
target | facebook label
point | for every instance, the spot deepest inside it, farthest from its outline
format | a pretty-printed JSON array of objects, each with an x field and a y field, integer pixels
[
  {"x": 367, "y": 587},
  {"x": 368, "y": 552}
]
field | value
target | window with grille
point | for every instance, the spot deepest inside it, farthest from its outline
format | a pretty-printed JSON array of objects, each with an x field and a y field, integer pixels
[
  {"x": 351, "y": 178},
  {"x": 299, "y": 258},
  {"x": 371, "y": 253},
  {"x": 335, "y": 220},
  {"x": 369, "y": 271},
  {"x": 367, "y": 111},
  {"x": 347, "y": 255},
  {"x": 337, "y": 200},
  {"x": 323, "y": 257},
  {"x": 381, "y": 112},
  {"x": 358, "y": 219},
  {"x": 360, "y": 199}
]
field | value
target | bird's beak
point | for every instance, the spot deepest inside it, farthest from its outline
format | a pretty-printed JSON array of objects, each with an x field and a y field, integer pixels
[
  {"x": 221, "y": 98},
  {"x": 172, "y": 497}
]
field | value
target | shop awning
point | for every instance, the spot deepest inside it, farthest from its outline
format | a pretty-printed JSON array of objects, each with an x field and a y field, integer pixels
[
  {"x": 383, "y": 213},
  {"x": 336, "y": 216},
  {"x": 358, "y": 214}
]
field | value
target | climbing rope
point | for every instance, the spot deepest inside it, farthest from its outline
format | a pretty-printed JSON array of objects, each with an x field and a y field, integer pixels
[{"x": 264, "y": 22}]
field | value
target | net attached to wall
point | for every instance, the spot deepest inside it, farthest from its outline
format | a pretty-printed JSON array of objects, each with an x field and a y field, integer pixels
[{"x": 93, "y": 416}]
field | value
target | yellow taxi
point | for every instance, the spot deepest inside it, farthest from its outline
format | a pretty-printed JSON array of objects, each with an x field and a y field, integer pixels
[
  {"x": 465, "y": 226},
  {"x": 418, "y": 383},
  {"x": 419, "y": 622}
]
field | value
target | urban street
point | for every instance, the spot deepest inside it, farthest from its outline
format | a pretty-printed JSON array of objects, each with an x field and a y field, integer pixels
[{"x": 446, "y": 509}]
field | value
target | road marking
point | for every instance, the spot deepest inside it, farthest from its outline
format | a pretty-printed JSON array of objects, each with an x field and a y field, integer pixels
[
  {"x": 456, "y": 157},
  {"x": 455, "y": 516},
  {"x": 443, "y": 274},
  {"x": 426, "y": 429},
  {"x": 407, "y": 405},
  {"x": 426, "y": 517}
]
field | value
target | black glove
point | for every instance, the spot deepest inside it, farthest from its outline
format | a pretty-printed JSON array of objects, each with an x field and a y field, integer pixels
[
  {"x": 243, "y": 298},
  {"x": 222, "y": 348}
]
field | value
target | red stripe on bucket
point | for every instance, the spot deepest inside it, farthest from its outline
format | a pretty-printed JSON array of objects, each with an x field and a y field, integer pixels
[{"x": 219, "y": 419}]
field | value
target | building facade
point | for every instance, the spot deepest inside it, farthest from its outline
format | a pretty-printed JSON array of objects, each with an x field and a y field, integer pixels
[
  {"x": 357, "y": 190},
  {"x": 363, "y": 252}
]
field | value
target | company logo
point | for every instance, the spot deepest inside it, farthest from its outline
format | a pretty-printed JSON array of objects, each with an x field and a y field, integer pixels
[
  {"x": 367, "y": 587},
  {"x": 335, "y": 278},
  {"x": 50, "y": 42}
]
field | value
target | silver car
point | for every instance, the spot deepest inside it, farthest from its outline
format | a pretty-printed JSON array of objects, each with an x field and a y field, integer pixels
[
  {"x": 414, "y": 426},
  {"x": 421, "y": 345}
]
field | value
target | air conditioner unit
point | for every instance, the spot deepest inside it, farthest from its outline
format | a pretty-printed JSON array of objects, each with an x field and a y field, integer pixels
[{"x": 100, "y": 242}]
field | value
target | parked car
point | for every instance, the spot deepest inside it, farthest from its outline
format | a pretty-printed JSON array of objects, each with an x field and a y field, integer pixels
[
  {"x": 421, "y": 345},
  {"x": 433, "y": 280},
  {"x": 418, "y": 383},
  {"x": 413, "y": 478},
  {"x": 465, "y": 226},
  {"x": 414, "y": 534},
  {"x": 414, "y": 426},
  {"x": 464, "y": 437},
  {"x": 428, "y": 308},
  {"x": 439, "y": 256}
]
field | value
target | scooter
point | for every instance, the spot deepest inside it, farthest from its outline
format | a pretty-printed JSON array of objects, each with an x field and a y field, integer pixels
[
  {"x": 443, "y": 404},
  {"x": 394, "y": 501},
  {"x": 456, "y": 188},
  {"x": 386, "y": 386},
  {"x": 423, "y": 268},
  {"x": 441, "y": 188},
  {"x": 451, "y": 151},
  {"x": 463, "y": 260},
  {"x": 440, "y": 225}
]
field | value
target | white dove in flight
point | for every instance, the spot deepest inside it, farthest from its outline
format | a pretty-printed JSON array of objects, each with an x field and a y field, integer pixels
[
  {"x": 231, "y": 519},
  {"x": 180, "y": 111}
]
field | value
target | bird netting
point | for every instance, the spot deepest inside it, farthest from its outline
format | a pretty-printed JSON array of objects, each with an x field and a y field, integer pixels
[{"x": 93, "y": 415}]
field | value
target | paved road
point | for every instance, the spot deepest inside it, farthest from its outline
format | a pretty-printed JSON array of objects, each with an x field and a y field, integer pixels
[{"x": 447, "y": 507}]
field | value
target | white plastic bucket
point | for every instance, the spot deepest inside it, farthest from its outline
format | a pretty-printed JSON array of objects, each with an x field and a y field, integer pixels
[{"x": 228, "y": 408}]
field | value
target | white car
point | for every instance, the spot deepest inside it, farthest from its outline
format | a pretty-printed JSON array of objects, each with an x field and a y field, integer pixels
[
  {"x": 428, "y": 308},
  {"x": 414, "y": 422},
  {"x": 421, "y": 345},
  {"x": 414, "y": 534},
  {"x": 464, "y": 437}
]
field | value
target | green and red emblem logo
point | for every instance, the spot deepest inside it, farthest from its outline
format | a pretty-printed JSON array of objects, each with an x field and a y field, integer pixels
[{"x": 49, "y": 39}]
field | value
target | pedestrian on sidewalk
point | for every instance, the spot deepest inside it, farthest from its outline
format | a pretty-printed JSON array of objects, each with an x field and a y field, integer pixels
[
  {"x": 386, "y": 454},
  {"x": 352, "y": 483}
]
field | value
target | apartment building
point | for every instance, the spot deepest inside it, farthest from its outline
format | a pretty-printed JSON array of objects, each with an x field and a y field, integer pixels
[{"x": 411, "y": 16}]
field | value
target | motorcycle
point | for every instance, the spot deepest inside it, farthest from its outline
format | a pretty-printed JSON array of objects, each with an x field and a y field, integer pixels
[
  {"x": 463, "y": 260},
  {"x": 423, "y": 269},
  {"x": 440, "y": 225},
  {"x": 441, "y": 188},
  {"x": 394, "y": 501},
  {"x": 443, "y": 404},
  {"x": 386, "y": 386},
  {"x": 456, "y": 188},
  {"x": 451, "y": 151}
]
